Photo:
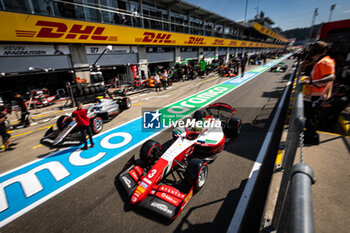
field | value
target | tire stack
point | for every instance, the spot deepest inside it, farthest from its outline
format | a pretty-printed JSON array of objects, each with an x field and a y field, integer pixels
[{"x": 88, "y": 92}]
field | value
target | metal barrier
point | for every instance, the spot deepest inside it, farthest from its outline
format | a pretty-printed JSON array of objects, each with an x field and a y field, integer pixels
[
  {"x": 294, "y": 202},
  {"x": 302, "y": 219}
]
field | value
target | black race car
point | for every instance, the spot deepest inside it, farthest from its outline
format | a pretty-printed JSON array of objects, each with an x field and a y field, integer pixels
[{"x": 67, "y": 134}]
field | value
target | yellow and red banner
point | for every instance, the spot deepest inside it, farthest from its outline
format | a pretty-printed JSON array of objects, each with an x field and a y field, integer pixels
[
  {"x": 268, "y": 32},
  {"x": 34, "y": 28}
]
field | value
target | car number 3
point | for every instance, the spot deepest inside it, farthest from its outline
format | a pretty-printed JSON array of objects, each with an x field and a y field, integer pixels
[{"x": 153, "y": 172}]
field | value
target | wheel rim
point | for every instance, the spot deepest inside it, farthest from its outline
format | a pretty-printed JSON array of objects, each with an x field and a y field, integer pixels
[
  {"x": 202, "y": 177},
  {"x": 239, "y": 128},
  {"x": 98, "y": 125},
  {"x": 128, "y": 103},
  {"x": 154, "y": 151}
]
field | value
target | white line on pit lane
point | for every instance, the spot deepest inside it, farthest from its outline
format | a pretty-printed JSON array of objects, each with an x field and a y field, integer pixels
[{"x": 241, "y": 208}]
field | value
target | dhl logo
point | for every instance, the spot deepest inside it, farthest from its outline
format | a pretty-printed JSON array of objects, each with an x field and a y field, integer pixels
[
  {"x": 57, "y": 30},
  {"x": 150, "y": 37},
  {"x": 218, "y": 42},
  {"x": 233, "y": 43},
  {"x": 195, "y": 40}
]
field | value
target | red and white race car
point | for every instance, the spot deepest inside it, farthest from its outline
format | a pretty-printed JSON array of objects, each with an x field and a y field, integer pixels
[
  {"x": 144, "y": 179},
  {"x": 40, "y": 97}
]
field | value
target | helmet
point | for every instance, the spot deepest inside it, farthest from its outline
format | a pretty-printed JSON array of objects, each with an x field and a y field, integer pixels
[{"x": 199, "y": 114}]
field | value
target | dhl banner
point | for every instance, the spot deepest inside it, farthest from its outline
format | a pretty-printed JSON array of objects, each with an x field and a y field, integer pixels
[
  {"x": 32, "y": 28},
  {"x": 260, "y": 28}
]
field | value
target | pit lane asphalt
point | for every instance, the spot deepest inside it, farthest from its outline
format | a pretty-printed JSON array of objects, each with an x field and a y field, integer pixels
[
  {"x": 96, "y": 205},
  {"x": 28, "y": 139}
]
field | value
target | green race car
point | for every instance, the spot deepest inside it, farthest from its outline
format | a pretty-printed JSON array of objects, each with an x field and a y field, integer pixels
[{"x": 280, "y": 67}]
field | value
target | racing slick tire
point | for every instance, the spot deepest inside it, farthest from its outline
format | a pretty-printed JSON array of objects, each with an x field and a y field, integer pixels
[
  {"x": 196, "y": 173},
  {"x": 96, "y": 91},
  {"x": 199, "y": 114},
  {"x": 149, "y": 151},
  {"x": 63, "y": 121},
  {"x": 79, "y": 91},
  {"x": 233, "y": 128},
  {"x": 86, "y": 91},
  {"x": 126, "y": 103},
  {"x": 92, "y": 90},
  {"x": 74, "y": 92},
  {"x": 96, "y": 125}
]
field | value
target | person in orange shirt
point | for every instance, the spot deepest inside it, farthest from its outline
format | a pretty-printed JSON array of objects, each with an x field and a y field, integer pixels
[{"x": 318, "y": 88}]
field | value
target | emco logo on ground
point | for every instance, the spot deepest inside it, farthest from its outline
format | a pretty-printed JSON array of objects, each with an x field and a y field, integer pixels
[
  {"x": 57, "y": 30},
  {"x": 150, "y": 37}
]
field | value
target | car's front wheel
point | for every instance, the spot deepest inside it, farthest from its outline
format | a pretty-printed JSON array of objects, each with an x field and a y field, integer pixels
[
  {"x": 197, "y": 173},
  {"x": 150, "y": 151},
  {"x": 63, "y": 121},
  {"x": 126, "y": 103}
]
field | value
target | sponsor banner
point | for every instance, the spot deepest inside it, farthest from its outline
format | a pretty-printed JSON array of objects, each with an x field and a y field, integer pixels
[
  {"x": 268, "y": 32},
  {"x": 26, "y": 187},
  {"x": 36, "y": 28},
  {"x": 98, "y": 49},
  {"x": 32, "y": 50}
]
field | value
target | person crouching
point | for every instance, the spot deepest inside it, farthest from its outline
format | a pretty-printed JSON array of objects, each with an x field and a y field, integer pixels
[{"x": 83, "y": 122}]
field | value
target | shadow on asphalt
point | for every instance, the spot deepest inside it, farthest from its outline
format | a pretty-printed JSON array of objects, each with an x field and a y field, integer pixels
[
  {"x": 53, "y": 153},
  {"x": 222, "y": 218}
]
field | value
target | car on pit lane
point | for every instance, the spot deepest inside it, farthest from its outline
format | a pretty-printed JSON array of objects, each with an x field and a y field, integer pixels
[
  {"x": 280, "y": 67},
  {"x": 225, "y": 71},
  {"x": 67, "y": 134},
  {"x": 144, "y": 180}
]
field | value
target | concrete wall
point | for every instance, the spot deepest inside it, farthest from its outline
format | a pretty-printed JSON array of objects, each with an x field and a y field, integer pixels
[
  {"x": 185, "y": 55},
  {"x": 160, "y": 57},
  {"x": 21, "y": 64},
  {"x": 113, "y": 59}
]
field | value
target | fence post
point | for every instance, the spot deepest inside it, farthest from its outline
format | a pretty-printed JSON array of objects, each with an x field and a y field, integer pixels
[{"x": 301, "y": 219}]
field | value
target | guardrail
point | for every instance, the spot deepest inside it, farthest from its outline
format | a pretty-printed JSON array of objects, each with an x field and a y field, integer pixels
[{"x": 293, "y": 210}]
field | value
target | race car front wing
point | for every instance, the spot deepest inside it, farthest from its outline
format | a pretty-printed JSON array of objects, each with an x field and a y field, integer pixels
[{"x": 164, "y": 200}]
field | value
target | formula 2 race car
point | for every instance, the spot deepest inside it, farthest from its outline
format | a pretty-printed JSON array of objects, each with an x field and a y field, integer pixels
[
  {"x": 67, "y": 134},
  {"x": 40, "y": 97},
  {"x": 225, "y": 71},
  {"x": 280, "y": 67},
  {"x": 145, "y": 180}
]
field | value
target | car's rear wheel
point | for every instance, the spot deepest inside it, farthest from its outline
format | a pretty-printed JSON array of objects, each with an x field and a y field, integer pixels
[
  {"x": 96, "y": 125},
  {"x": 150, "y": 151},
  {"x": 197, "y": 173},
  {"x": 63, "y": 121},
  {"x": 233, "y": 128}
]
